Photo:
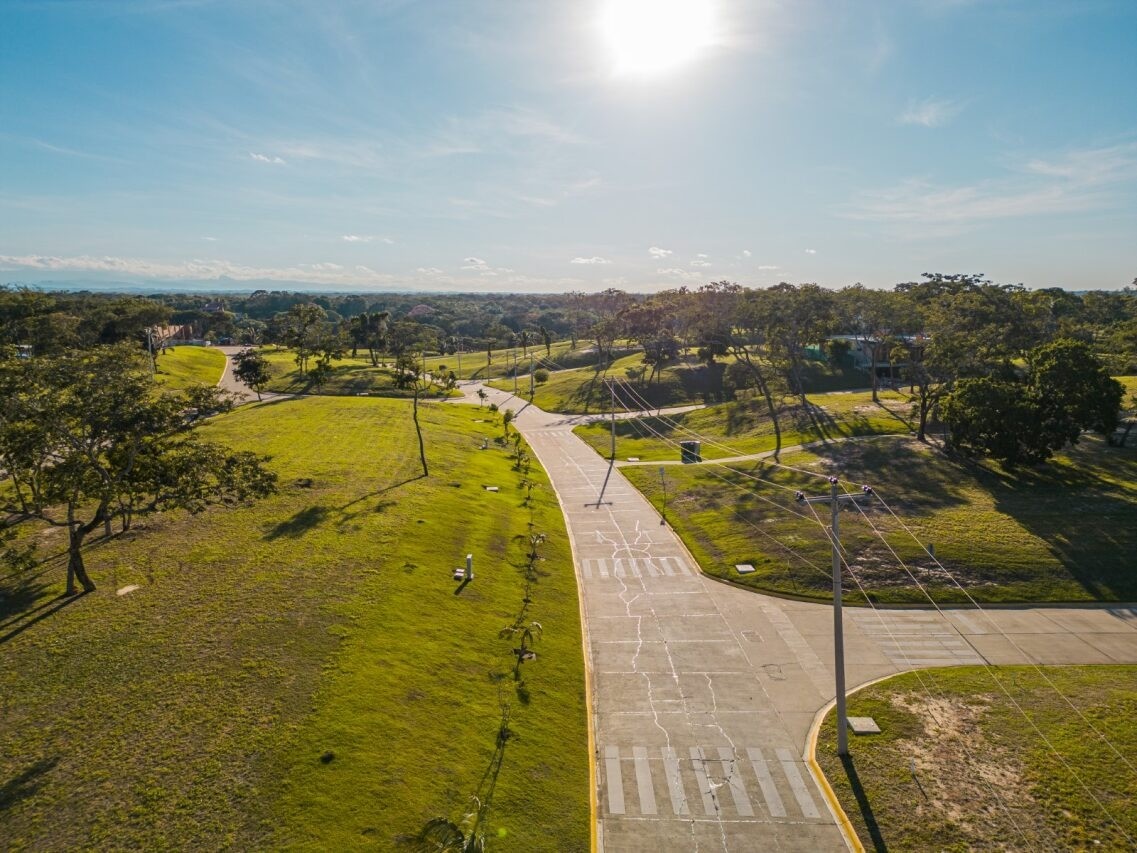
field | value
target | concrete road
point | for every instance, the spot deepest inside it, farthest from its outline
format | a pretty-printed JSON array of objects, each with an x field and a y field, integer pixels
[{"x": 704, "y": 694}]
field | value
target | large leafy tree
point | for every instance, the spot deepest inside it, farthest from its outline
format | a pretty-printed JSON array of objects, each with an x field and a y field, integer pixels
[
  {"x": 1024, "y": 420},
  {"x": 86, "y": 437}
]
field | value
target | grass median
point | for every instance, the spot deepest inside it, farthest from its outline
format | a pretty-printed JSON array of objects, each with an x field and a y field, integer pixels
[
  {"x": 992, "y": 758},
  {"x": 1062, "y": 532}
]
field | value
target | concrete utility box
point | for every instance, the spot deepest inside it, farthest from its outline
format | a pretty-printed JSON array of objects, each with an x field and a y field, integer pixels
[{"x": 691, "y": 451}]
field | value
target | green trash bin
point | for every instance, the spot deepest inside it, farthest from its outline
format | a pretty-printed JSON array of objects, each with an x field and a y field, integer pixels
[{"x": 690, "y": 451}]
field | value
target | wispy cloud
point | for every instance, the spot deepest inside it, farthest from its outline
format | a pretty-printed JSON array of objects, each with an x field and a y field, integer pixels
[
  {"x": 592, "y": 260},
  {"x": 209, "y": 239},
  {"x": 700, "y": 260},
  {"x": 265, "y": 158},
  {"x": 811, "y": 251},
  {"x": 746, "y": 253},
  {"x": 931, "y": 112},
  {"x": 482, "y": 268},
  {"x": 680, "y": 273},
  {"x": 657, "y": 252},
  {"x": 366, "y": 238},
  {"x": 197, "y": 269},
  {"x": 768, "y": 267},
  {"x": 1076, "y": 181}
]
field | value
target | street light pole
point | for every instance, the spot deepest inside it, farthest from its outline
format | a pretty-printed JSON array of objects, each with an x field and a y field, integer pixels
[
  {"x": 834, "y": 500},
  {"x": 663, "y": 485}
]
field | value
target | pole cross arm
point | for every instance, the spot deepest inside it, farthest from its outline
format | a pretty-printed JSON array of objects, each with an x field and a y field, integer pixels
[{"x": 800, "y": 497}]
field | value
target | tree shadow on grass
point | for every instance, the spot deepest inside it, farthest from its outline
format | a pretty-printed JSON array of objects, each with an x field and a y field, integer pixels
[
  {"x": 300, "y": 523},
  {"x": 1086, "y": 518},
  {"x": 42, "y": 612},
  {"x": 25, "y": 783}
]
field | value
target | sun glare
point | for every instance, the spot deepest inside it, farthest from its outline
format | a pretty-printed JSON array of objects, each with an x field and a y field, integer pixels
[{"x": 650, "y": 36}]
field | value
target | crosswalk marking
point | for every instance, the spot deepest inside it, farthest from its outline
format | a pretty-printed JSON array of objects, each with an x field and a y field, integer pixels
[
  {"x": 615, "y": 782},
  {"x": 737, "y": 790},
  {"x": 674, "y": 782},
  {"x": 620, "y": 568},
  {"x": 789, "y": 767},
  {"x": 643, "y": 781},
  {"x": 766, "y": 783},
  {"x": 754, "y": 779},
  {"x": 704, "y": 783}
]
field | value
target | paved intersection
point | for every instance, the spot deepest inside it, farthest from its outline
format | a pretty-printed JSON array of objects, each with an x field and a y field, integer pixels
[{"x": 703, "y": 694}]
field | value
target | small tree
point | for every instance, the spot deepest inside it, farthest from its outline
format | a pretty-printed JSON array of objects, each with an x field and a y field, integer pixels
[
  {"x": 250, "y": 367},
  {"x": 482, "y": 395},
  {"x": 541, "y": 375},
  {"x": 506, "y": 419}
]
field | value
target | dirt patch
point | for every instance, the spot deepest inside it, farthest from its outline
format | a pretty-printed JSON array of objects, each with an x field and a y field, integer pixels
[{"x": 966, "y": 779}]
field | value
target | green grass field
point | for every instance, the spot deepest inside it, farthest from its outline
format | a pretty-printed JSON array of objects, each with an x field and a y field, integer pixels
[
  {"x": 1063, "y": 532},
  {"x": 958, "y": 767},
  {"x": 186, "y": 366},
  {"x": 745, "y": 427},
  {"x": 681, "y": 383},
  {"x": 304, "y": 673}
]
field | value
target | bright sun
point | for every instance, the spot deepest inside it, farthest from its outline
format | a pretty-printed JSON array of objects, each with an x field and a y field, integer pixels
[{"x": 649, "y": 36}]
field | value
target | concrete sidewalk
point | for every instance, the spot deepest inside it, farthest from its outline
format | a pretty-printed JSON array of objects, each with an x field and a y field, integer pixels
[{"x": 703, "y": 693}]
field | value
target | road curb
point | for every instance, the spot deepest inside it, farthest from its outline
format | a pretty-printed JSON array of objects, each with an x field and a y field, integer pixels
[{"x": 810, "y": 756}]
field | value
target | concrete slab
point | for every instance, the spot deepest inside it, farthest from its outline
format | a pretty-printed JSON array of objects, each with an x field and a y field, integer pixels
[{"x": 1039, "y": 649}]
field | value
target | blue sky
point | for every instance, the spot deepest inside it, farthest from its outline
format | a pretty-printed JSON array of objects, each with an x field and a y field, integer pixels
[{"x": 505, "y": 145}]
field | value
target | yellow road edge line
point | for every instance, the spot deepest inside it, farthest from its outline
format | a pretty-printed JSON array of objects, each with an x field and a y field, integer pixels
[
  {"x": 843, "y": 822},
  {"x": 593, "y": 805}
]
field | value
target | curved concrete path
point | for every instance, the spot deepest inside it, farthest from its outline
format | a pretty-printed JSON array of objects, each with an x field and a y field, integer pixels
[{"x": 704, "y": 694}]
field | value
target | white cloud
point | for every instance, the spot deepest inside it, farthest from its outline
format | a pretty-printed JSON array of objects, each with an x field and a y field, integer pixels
[
  {"x": 593, "y": 260},
  {"x": 198, "y": 269},
  {"x": 931, "y": 112},
  {"x": 811, "y": 251},
  {"x": 657, "y": 252},
  {"x": 746, "y": 253},
  {"x": 210, "y": 239},
  {"x": 264, "y": 158},
  {"x": 431, "y": 271},
  {"x": 482, "y": 268},
  {"x": 678, "y": 272},
  {"x": 768, "y": 267},
  {"x": 700, "y": 261},
  {"x": 366, "y": 238}
]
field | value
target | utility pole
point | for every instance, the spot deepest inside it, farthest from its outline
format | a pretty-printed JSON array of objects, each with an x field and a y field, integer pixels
[
  {"x": 663, "y": 485},
  {"x": 514, "y": 372},
  {"x": 834, "y": 500},
  {"x": 530, "y": 377},
  {"x": 459, "y": 358},
  {"x": 612, "y": 391}
]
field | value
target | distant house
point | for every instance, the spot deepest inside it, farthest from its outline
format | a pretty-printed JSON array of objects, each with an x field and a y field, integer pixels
[
  {"x": 214, "y": 306},
  {"x": 168, "y": 336},
  {"x": 870, "y": 354}
]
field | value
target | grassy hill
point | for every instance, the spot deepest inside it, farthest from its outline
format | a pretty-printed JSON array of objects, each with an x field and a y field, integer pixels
[
  {"x": 185, "y": 366},
  {"x": 304, "y": 672}
]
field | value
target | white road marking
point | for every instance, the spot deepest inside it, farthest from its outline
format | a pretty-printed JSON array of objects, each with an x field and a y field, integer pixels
[
  {"x": 643, "y": 781},
  {"x": 766, "y": 783},
  {"x": 675, "y": 782},
  {"x": 789, "y": 766},
  {"x": 615, "y": 783},
  {"x": 737, "y": 789}
]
